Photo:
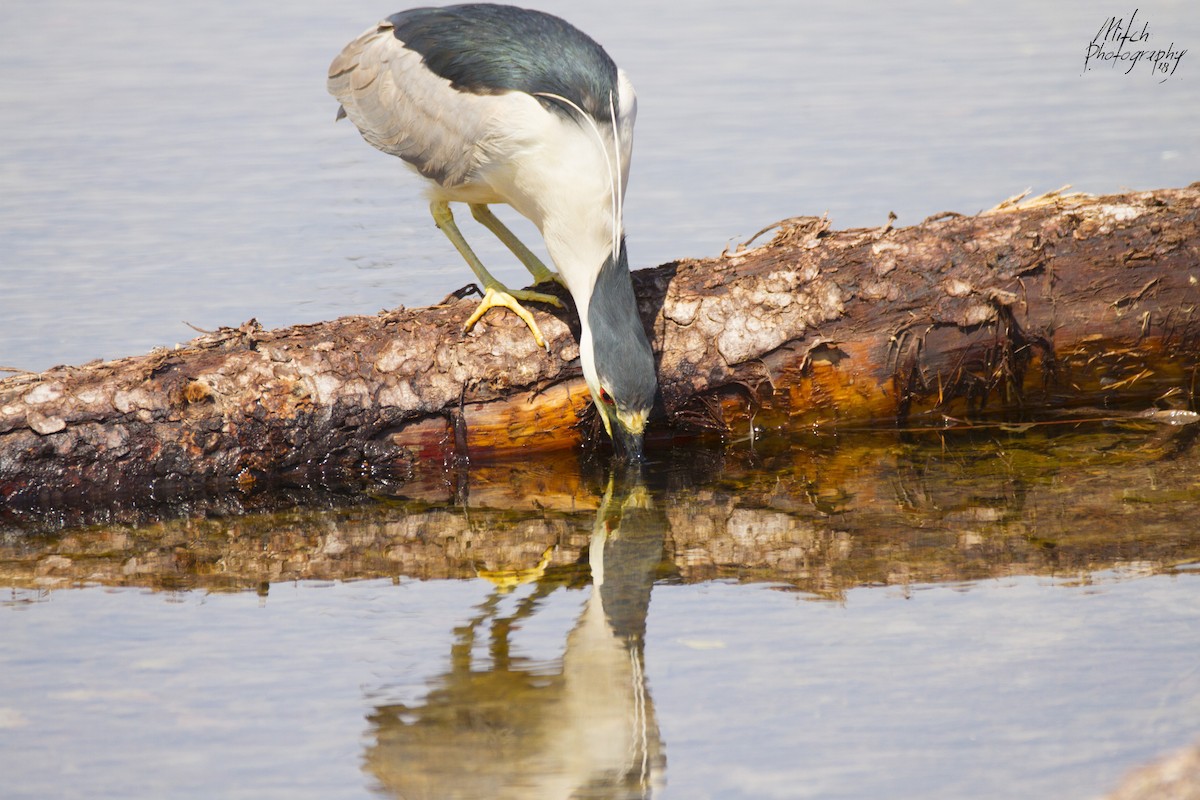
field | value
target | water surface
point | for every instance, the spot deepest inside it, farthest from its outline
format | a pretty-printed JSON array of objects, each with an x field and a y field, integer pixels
[
  {"x": 1023, "y": 687},
  {"x": 1006, "y": 613}
]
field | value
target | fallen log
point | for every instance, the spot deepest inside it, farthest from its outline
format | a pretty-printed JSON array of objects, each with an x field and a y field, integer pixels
[{"x": 1058, "y": 301}]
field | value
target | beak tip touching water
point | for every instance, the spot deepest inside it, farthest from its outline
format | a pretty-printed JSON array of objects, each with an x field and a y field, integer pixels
[{"x": 630, "y": 446}]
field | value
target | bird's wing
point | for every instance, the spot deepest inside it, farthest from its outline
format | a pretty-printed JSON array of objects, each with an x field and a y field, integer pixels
[{"x": 403, "y": 108}]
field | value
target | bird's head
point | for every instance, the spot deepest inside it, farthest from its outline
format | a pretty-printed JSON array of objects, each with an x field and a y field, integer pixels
[{"x": 616, "y": 357}]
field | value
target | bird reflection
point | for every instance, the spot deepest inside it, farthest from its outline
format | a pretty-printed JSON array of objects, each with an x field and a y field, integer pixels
[{"x": 583, "y": 727}]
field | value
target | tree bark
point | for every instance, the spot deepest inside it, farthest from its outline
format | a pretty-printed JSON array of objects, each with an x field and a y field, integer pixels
[{"x": 1063, "y": 300}]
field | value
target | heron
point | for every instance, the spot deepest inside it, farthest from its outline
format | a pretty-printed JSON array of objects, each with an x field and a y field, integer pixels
[{"x": 499, "y": 105}]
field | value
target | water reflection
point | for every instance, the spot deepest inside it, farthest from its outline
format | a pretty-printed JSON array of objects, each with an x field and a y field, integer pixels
[
  {"x": 505, "y": 726},
  {"x": 821, "y": 516},
  {"x": 533, "y": 685}
]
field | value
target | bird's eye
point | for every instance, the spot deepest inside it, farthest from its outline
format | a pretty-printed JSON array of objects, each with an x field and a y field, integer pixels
[{"x": 606, "y": 398}]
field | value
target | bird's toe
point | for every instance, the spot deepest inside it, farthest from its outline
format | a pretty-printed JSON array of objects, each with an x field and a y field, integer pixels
[
  {"x": 536, "y": 297},
  {"x": 552, "y": 277},
  {"x": 498, "y": 298}
]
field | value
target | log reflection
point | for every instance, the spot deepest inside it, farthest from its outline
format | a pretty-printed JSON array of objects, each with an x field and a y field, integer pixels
[
  {"x": 823, "y": 516},
  {"x": 507, "y": 727}
]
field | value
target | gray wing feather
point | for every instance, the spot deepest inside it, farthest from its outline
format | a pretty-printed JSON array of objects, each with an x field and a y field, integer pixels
[{"x": 404, "y": 109}]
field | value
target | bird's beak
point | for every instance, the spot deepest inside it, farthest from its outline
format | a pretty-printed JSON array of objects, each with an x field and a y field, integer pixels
[
  {"x": 631, "y": 445},
  {"x": 629, "y": 430}
]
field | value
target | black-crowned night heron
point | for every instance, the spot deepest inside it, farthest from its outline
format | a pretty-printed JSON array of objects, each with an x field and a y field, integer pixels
[{"x": 496, "y": 104}]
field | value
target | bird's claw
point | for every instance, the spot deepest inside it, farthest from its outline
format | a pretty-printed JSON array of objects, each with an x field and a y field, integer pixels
[
  {"x": 499, "y": 297},
  {"x": 550, "y": 277}
]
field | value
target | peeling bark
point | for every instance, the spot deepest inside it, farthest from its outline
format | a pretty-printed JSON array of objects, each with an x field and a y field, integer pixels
[{"x": 1054, "y": 302}]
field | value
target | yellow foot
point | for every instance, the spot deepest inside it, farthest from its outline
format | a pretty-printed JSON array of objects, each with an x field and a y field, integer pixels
[
  {"x": 508, "y": 298},
  {"x": 505, "y": 580},
  {"x": 549, "y": 277}
]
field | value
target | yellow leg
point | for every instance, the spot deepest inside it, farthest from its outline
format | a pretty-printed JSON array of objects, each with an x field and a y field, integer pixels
[
  {"x": 495, "y": 293},
  {"x": 541, "y": 273}
]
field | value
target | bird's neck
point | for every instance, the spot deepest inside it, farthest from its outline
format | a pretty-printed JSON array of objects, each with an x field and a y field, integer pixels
[
  {"x": 579, "y": 253},
  {"x": 612, "y": 280}
]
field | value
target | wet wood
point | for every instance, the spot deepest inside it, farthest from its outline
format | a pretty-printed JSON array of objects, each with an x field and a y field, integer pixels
[{"x": 1056, "y": 301}]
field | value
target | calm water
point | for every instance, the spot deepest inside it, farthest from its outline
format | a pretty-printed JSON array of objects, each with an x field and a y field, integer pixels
[
  {"x": 1016, "y": 688},
  {"x": 173, "y": 162},
  {"x": 1006, "y": 615}
]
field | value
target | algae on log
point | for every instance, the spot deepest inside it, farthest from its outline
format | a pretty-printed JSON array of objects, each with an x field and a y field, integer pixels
[{"x": 1058, "y": 301}]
